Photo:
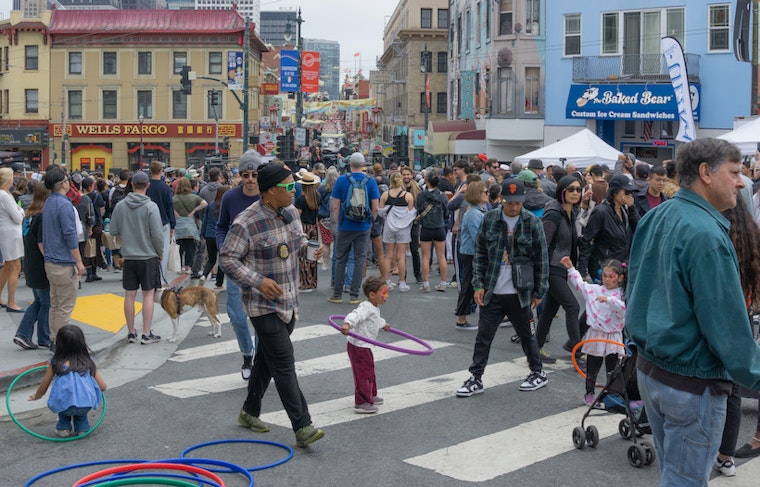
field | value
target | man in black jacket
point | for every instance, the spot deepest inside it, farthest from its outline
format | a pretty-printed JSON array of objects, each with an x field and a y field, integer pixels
[{"x": 652, "y": 195}]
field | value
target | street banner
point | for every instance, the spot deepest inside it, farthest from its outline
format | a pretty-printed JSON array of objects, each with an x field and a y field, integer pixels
[
  {"x": 289, "y": 71},
  {"x": 468, "y": 96},
  {"x": 235, "y": 70},
  {"x": 310, "y": 72},
  {"x": 673, "y": 53}
]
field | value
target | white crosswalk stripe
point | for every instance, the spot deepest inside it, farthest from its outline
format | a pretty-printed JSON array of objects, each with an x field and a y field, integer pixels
[{"x": 230, "y": 382}]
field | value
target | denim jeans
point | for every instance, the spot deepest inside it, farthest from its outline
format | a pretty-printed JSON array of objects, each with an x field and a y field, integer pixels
[
  {"x": 349, "y": 269},
  {"x": 687, "y": 429},
  {"x": 345, "y": 241},
  {"x": 275, "y": 360},
  {"x": 239, "y": 320},
  {"x": 79, "y": 415},
  {"x": 39, "y": 312}
]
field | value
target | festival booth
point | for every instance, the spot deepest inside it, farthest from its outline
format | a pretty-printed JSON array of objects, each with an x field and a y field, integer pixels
[
  {"x": 745, "y": 137},
  {"x": 583, "y": 149}
]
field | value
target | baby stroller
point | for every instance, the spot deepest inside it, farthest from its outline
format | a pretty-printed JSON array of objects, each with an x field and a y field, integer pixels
[{"x": 621, "y": 395}]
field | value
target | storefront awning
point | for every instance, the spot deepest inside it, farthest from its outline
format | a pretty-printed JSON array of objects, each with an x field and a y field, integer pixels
[
  {"x": 468, "y": 142},
  {"x": 437, "y": 141}
]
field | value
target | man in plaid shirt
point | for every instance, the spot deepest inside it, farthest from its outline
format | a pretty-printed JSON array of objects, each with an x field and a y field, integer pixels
[
  {"x": 261, "y": 254},
  {"x": 507, "y": 236}
]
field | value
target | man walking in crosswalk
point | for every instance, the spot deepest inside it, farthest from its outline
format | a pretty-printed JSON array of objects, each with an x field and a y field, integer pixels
[{"x": 510, "y": 275}]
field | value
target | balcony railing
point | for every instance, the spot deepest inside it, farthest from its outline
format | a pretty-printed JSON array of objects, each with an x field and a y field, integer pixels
[{"x": 629, "y": 68}]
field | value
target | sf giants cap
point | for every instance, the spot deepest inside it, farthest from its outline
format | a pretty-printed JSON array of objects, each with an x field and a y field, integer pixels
[{"x": 513, "y": 190}]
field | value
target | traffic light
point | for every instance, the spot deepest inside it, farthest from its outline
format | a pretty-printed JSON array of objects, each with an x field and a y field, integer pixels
[
  {"x": 213, "y": 97},
  {"x": 397, "y": 144},
  {"x": 283, "y": 147},
  {"x": 187, "y": 87},
  {"x": 45, "y": 139},
  {"x": 226, "y": 143}
]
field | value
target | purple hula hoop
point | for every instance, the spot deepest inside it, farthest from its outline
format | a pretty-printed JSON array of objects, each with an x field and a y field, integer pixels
[{"x": 429, "y": 349}]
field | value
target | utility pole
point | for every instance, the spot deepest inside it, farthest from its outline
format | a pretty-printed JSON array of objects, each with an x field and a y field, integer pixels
[
  {"x": 63, "y": 126},
  {"x": 299, "y": 93},
  {"x": 754, "y": 57},
  {"x": 246, "y": 99}
]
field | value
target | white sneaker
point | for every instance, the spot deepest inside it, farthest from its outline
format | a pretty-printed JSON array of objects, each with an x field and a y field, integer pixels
[
  {"x": 441, "y": 287},
  {"x": 726, "y": 467},
  {"x": 535, "y": 381},
  {"x": 403, "y": 287},
  {"x": 391, "y": 285},
  {"x": 424, "y": 288}
]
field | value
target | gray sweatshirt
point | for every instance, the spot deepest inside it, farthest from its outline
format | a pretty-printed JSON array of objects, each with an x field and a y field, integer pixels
[{"x": 137, "y": 220}]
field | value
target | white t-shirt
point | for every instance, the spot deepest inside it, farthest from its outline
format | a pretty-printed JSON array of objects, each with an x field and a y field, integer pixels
[
  {"x": 504, "y": 283},
  {"x": 366, "y": 321}
]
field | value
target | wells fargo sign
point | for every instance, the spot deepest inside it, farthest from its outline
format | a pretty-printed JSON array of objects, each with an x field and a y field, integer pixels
[{"x": 195, "y": 130}]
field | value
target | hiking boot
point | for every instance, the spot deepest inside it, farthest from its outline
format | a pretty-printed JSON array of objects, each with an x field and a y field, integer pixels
[
  {"x": 308, "y": 434},
  {"x": 24, "y": 342},
  {"x": 335, "y": 299},
  {"x": 131, "y": 337},
  {"x": 245, "y": 370},
  {"x": 255, "y": 424},
  {"x": 535, "y": 381},
  {"x": 546, "y": 358},
  {"x": 149, "y": 338},
  {"x": 471, "y": 386},
  {"x": 365, "y": 408}
]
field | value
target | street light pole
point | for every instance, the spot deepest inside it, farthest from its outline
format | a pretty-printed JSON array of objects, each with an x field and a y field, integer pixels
[
  {"x": 424, "y": 68},
  {"x": 142, "y": 146},
  {"x": 299, "y": 93}
]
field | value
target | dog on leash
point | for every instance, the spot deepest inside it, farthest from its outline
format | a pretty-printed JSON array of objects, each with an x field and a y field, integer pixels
[{"x": 174, "y": 300}]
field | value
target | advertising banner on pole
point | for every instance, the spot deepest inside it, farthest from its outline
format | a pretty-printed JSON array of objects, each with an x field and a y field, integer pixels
[
  {"x": 235, "y": 70},
  {"x": 310, "y": 72},
  {"x": 289, "y": 71},
  {"x": 674, "y": 59}
]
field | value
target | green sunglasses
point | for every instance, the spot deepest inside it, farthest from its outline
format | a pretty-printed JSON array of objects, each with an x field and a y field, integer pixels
[{"x": 288, "y": 186}]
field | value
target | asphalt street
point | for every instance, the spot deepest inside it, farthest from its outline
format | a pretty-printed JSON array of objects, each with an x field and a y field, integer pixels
[{"x": 164, "y": 398}]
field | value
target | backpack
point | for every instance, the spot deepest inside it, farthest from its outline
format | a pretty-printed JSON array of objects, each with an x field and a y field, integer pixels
[
  {"x": 356, "y": 205},
  {"x": 324, "y": 206},
  {"x": 117, "y": 195}
]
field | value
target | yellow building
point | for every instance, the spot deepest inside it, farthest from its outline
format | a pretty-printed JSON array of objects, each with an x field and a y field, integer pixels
[
  {"x": 117, "y": 76},
  {"x": 24, "y": 89}
]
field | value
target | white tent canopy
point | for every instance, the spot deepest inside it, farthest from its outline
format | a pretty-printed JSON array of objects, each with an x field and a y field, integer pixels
[
  {"x": 745, "y": 137},
  {"x": 583, "y": 149}
]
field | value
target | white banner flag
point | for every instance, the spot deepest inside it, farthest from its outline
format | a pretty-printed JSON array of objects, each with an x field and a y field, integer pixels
[{"x": 673, "y": 53}]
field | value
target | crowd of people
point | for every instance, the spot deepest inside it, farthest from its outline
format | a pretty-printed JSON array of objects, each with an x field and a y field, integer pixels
[{"x": 521, "y": 242}]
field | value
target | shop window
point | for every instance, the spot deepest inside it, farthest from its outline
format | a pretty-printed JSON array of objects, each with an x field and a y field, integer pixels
[
  {"x": 75, "y": 63},
  {"x": 629, "y": 128},
  {"x": 75, "y": 104}
]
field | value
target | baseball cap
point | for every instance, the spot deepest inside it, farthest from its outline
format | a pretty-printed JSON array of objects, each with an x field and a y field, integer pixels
[
  {"x": 250, "y": 161},
  {"x": 619, "y": 181},
  {"x": 140, "y": 178},
  {"x": 527, "y": 176},
  {"x": 357, "y": 159},
  {"x": 513, "y": 190}
]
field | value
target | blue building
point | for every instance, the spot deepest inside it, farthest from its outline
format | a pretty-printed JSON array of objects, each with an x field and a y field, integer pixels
[{"x": 605, "y": 71}]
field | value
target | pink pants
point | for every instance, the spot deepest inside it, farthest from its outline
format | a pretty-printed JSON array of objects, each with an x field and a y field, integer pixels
[{"x": 363, "y": 367}]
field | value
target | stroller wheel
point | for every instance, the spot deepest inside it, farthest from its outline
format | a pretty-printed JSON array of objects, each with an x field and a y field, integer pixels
[
  {"x": 592, "y": 436},
  {"x": 625, "y": 428},
  {"x": 636, "y": 456},
  {"x": 579, "y": 438},
  {"x": 648, "y": 453}
]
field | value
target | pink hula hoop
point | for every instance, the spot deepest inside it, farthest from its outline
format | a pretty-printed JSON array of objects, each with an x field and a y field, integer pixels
[{"x": 428, "y": 348}]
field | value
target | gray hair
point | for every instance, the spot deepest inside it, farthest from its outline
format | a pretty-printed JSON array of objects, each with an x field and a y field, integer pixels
[
  {"x": 330, "y": 177},
  {"x": 714, "y": 152}
]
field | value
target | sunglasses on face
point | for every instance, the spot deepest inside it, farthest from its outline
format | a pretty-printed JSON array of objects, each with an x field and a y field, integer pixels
[
  {"x": 288, "y": 186},
  {"x": 574, "y": 189},
  {"x": 246, "y": 175}
]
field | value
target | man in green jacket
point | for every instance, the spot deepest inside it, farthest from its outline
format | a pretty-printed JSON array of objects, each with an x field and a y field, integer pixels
[{"x": 686, "y": 313}]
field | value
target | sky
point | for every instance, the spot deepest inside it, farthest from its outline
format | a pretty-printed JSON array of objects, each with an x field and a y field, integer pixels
[{"x": 356, "y": 24}]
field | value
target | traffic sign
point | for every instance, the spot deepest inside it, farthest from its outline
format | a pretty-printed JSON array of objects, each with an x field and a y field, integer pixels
[{"x": 269, "y": 146}]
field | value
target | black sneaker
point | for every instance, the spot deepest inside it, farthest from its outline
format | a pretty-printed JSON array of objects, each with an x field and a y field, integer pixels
[
  {"x": 471, "y": 386},
  {"x": 24, "y": 342},
  {"x": 245, "y": 370},
  {"x": 131, "y": 337},
  {"x": 466, "y": 326},
  {"x": 535, "y": 381},
  {"x": 150, "y": 338}
]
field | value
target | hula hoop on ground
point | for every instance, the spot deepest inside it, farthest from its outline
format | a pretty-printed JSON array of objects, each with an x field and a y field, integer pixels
[
  {"x": 590, "y": 340},
  {"x": 231, "y": 467},
  {"x": 252, "y": 469},
  {"x": 77, "y": 465},
  {"x": 145, "y": 478},
  {"x": 429, "y": 349},
  {"x": 146, "y": 481},
  {"x": 37, "y": 435},
  {"x": 148, "y": 466}
]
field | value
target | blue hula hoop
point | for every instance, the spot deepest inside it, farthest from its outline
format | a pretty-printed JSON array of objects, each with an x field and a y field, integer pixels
[
  {"x": 78, "y": 465},
  {"x": 252, "y": 469},
  {"x": 428, "y": 348}
]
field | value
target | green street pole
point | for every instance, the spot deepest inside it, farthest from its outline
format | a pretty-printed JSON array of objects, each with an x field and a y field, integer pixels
[{"x": 246, "y": 42}]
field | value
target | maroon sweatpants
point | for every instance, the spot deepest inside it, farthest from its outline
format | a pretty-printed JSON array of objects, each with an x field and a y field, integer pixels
[{"x": 363, "y": 367}]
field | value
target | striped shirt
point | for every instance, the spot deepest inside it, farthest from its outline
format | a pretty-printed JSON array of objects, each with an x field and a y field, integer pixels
[
  {"x": 261, "y": 244},
  {"x": 493, "y": 240}
]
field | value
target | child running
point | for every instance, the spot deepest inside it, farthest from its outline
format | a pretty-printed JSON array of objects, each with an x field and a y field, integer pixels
[
  {"x": 366, "y": 321},
  {"x": 605, "y": 315},
  {"x": 76, "y": 382}
]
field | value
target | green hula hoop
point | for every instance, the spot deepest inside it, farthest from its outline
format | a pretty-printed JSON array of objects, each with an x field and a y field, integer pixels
[
  {"x": 37, "y": 435},
  {"x": 147, "y": 481}
]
